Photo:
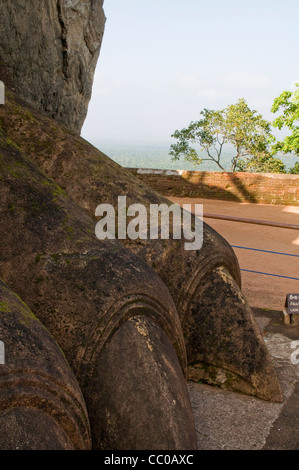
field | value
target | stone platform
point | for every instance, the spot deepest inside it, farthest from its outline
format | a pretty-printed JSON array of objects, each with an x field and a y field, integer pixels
[{"x": 232, "y": 421}]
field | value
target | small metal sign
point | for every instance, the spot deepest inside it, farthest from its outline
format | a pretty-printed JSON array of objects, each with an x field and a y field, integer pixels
[{"x": 292, "y": 304}]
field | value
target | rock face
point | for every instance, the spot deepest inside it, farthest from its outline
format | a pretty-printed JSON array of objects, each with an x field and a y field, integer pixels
[{"x": 49, "y": 50}]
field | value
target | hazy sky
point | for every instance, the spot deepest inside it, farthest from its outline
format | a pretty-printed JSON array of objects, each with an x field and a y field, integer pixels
[{"x": 163, "y": 61}]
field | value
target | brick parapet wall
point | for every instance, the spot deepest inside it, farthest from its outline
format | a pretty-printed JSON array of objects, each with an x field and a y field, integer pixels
[{"x": 264, "y": 188}]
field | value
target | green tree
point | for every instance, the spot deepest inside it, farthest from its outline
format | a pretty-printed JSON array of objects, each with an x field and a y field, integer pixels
[
  {"x": 288, "y": 103},
  {"x": 238, "y": 125},
  {"x": 262, "y": 164},
  {"x": 295, "y": 169}
]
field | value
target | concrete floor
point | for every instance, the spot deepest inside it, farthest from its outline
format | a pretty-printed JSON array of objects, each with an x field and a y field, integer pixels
[{"x": 232, "y": 421}]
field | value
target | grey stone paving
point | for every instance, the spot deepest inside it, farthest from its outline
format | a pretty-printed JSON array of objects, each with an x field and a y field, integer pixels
[{"x": 232, "y": 421}]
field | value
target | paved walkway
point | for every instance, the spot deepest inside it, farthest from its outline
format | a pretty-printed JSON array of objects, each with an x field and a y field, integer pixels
[
  {"x": 232, "y": 421},
  {"x": 261, "y": 290}
]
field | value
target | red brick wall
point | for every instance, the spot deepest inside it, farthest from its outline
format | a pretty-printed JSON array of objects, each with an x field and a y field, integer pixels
[{"x": 265, "y": 188}]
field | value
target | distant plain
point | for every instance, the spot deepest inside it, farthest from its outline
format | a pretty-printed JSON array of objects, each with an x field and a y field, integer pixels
[{"x": 156, "y": 155}]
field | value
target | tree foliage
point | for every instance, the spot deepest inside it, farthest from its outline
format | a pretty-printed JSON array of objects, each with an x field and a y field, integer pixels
[
  {"x": 295, "y": 169},
  {"x": 236, "y": 124},
  {"x": 263, "y": 164},
  {"x": 288, "y": 103}
]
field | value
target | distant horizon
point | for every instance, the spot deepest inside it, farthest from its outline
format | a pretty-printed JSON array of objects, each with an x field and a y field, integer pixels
[{"x": 155, "y": 156}]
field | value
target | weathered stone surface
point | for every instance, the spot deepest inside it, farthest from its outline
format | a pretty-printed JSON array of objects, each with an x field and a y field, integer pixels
[
  {"x": 41, "y": 404},
  {"x": 91, "y": 178},
  {"x": 85, "y": 292},
  {"x": 142, "y": 351},
  {"x": 219, "y": 334},
  {"x": 50, "y": 50}
]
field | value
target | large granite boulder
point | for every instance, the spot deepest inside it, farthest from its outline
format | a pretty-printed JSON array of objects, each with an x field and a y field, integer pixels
[
  {"x": 49, "y": 51},
  {"x": 110, "y": 313}
]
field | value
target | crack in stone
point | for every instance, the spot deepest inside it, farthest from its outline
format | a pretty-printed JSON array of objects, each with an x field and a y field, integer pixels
[{"x": 63, "y": 39}]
